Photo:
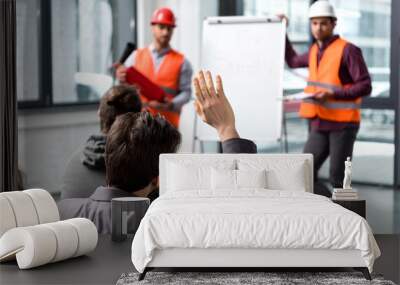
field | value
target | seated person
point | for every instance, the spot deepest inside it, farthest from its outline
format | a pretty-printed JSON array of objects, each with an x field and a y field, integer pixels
[
  {"x": 86, "y": 169},
  {"x": 134, "y": 144}
]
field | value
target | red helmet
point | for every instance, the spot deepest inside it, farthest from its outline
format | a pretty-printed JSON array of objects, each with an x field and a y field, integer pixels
[{"x": 163, "y": 16}]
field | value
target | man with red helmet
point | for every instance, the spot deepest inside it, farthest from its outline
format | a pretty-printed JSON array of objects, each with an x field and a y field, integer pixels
[{"x": 164, "y": 66}]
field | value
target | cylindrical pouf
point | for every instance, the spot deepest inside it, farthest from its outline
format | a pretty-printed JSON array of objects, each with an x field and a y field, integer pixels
[
  {"x": 23, "y": 208},
  {"x": 32, "y": 246},
  {"x": 126, "y": 214},
  {"x": 45, "y": 205},
  {"x": 40, "y": 244},
  {"x": 67, "y": 240},
  {"x": 7, "y": 218},
  {"x": 87, "y": 235}
]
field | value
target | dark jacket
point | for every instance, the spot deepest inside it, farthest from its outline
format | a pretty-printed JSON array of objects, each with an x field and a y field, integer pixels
[
  {"x": 86, "y": 169},
  {"x": 98, "y": 206},
  {"x": 239, "y": 146}
]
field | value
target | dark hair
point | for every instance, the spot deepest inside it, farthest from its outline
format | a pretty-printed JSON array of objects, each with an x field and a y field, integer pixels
[
  {"x": 133, "y": 146},
  {"x": 118, "y": 100}
]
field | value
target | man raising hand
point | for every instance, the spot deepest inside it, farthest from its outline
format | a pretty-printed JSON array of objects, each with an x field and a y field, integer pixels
[{"x": 213, "y": 107}]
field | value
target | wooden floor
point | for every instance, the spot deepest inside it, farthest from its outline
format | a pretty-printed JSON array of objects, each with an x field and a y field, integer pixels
[
  {"x": 389, "y": 262},
  {"x": 383, "y": 215}
]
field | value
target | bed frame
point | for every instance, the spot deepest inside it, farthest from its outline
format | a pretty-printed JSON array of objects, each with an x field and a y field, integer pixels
[
  {"x": 242, "y": 259},
  {"x": 245, "y": 258}
]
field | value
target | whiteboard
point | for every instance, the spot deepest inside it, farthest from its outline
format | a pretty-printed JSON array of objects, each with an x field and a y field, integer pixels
[{"x": 248, "y": 53}]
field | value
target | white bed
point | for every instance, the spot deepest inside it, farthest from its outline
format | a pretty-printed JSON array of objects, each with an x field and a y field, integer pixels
[{"x": 247, "y": 210}]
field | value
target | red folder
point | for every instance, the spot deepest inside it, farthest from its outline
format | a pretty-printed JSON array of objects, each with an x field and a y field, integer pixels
[{"x": 147, "y": 88}]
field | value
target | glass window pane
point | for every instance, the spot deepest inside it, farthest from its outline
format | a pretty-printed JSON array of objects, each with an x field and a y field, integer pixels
[
  {"x": 27, "y": 12},
  {"x": 81, "y": 49},
  {"x": 366, "y": 23},
  {"x": 294, "y": 9},
  {"x": 374, "y": 149}
]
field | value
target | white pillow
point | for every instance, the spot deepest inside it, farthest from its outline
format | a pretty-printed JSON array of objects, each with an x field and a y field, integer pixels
[
  {"x": 185, "y": 175},
  {"x": 237, "y": 179},
  {"x": 282, "y": 174},
  {"x": 223, "y": 179},
  {"x": 251, "y": 178},
  {"x": 183, "y": 178}
]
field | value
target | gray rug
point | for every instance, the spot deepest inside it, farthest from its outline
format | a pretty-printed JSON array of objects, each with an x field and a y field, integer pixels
[{"x": 230, "y": 278}]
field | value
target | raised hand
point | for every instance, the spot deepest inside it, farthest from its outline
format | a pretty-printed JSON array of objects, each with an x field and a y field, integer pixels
[
  {"x": 283, "y": 17},
  {"x": 213, "y": 107}
]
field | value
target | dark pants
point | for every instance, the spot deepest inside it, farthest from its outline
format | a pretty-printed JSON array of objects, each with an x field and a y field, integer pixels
[{"x": 338, "y": 145}]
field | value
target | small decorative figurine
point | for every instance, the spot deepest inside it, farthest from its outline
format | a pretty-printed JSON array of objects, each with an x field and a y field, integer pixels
[{"x": 347, "y": 174}]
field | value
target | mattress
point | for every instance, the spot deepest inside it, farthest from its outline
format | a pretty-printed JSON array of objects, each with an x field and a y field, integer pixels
[{"x": 250, "y": 219}]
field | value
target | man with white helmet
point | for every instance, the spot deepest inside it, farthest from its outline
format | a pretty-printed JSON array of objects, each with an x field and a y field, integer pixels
[
  {"x": 163, "y": 65},
  {"x": 338, "y": 78}
]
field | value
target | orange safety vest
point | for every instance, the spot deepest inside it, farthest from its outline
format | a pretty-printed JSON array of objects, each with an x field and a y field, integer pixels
[
  {"x": 326, "y": 76},
  {"x": 167, "y": 77}
]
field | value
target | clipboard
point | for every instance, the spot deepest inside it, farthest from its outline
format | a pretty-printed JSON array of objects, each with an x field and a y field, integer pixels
[
  {"x": 296, "y": 96},
  {"x": 148, "y": 89}
]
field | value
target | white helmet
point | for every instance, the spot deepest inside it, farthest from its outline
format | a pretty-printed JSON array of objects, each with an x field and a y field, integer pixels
[{"x": 321, "y": 8}]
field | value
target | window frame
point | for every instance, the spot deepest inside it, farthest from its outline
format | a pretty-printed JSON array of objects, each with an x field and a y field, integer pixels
[
  {"x": 395, "y": 87},
  {"x": 45, "y": 61}
]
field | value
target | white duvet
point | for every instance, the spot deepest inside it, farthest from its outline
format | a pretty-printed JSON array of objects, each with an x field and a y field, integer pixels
[{"x": 250, "y": 219}]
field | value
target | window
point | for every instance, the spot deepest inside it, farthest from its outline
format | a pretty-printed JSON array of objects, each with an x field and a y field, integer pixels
[
  {"x": 366, "y": 23},
  {"x": 66, "y": 48},
  {"x": 294, "y": 9},
  {"x": 27, "y": 53}
]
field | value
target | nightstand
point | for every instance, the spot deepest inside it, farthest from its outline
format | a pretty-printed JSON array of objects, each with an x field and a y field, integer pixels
[
  {"x": 126, "y": 214},
  {"x": 357, "y": 206}
]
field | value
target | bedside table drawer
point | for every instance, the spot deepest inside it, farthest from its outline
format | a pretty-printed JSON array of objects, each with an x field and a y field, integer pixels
[{"x": 357, "y": 206}]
